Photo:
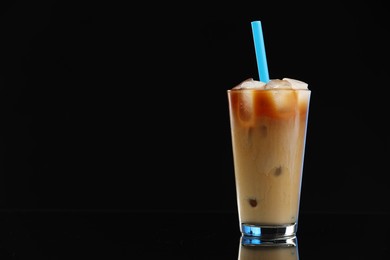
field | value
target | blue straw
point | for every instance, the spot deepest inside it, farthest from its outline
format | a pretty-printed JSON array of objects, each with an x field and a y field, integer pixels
[{"x": 260, "y": 51}]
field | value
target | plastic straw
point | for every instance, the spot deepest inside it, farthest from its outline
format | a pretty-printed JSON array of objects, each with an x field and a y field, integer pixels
[{"x": 260, "y": 51}]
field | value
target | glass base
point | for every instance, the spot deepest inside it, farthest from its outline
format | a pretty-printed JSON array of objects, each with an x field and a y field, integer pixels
[
  {"x": 268, "y": 231},
  {"x": 277, "y": 242}
]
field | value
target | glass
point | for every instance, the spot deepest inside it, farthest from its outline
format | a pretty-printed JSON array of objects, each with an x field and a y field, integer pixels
[{"x": 268, "y": 130}]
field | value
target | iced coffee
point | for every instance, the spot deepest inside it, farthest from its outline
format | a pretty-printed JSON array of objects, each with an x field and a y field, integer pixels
[{"x": 268, "y": 129}]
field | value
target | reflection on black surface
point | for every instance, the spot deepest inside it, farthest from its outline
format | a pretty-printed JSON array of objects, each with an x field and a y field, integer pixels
[
  {"x": 122, "y": 235},
  {"x": 268, "y": 251}
]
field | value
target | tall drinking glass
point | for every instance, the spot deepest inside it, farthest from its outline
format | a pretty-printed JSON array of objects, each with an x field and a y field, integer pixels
[{"x": 268, "y": 130}]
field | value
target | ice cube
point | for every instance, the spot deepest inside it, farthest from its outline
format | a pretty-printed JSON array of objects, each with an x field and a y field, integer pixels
[
  {"x": 296, "y": 84},
  {"x": 284, "y": 100},
  {"x": 250, "y": 84},
  {"x": 243, "y": 107},
  {"x": 278, "y": 84}
]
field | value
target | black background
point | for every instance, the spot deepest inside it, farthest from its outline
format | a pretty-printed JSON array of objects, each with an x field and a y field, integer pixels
[{"x": 124, "y": 107}]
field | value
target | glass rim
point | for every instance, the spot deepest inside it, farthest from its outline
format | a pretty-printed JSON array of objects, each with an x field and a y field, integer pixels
[{"x": 270, "y": 90}]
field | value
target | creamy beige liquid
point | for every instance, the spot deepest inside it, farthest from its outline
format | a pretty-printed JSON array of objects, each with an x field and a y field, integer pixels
[{"x": 268, "y": 136}]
